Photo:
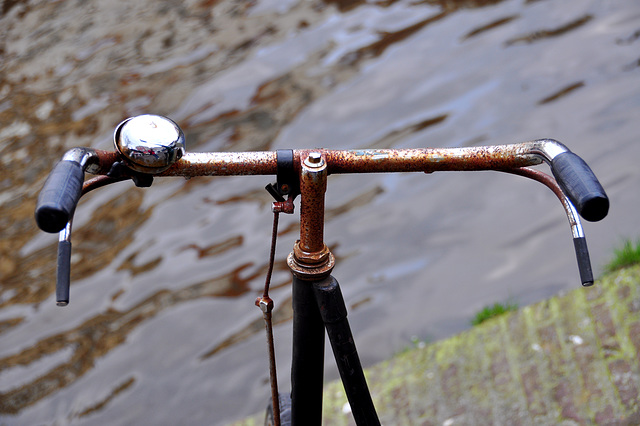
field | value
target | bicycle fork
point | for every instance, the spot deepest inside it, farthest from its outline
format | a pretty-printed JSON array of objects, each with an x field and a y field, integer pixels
[{"x": 317, "y": 306}]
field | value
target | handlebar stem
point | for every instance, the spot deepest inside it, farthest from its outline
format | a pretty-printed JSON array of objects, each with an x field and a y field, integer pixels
[
  {"x": 311, "y": 258},
  {"x": 313, "y": 186}
]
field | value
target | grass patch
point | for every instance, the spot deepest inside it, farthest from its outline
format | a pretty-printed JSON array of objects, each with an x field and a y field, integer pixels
[
  {"x": 496, "y": 310},
  {"x": 627, "y": 255}
]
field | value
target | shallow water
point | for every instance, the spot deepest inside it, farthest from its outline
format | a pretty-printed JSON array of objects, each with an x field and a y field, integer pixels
[{"x": 161, "y": 328}]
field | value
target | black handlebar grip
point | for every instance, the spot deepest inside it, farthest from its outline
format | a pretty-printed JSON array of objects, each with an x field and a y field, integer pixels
[
  {"x": 581, "y": 186},
  {"x": 63, "y": 280},
  {"x": 59, "y": 196}
]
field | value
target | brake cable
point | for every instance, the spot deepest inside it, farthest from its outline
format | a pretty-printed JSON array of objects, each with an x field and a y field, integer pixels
[
  {"x": 266, "y": 306},
  {"x": 287, "y": 184}
]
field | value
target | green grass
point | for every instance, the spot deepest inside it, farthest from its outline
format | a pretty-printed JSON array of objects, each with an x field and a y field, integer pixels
[
  {"x": 489, "y": 312},
  {"x": 627, "y": 255}
]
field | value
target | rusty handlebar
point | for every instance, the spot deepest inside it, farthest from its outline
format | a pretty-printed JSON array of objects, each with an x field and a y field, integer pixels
[{"x": 161, "y": 153}]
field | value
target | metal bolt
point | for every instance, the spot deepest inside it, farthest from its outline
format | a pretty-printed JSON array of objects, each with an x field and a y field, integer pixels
[
  {"x": 315, "y": 158},
  {"x": 265, "y": 304}
]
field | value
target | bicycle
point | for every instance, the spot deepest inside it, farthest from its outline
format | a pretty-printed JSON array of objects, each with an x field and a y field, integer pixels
[{"x": 150, "y": 146}]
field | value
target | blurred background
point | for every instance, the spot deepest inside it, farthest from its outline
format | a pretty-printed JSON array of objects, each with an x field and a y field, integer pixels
[{"x": 161, "y": 328}]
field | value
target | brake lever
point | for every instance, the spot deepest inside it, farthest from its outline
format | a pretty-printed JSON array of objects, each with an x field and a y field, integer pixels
[
  {"x": 577, "y": 232},
  {"x": 63, "y": 272}
]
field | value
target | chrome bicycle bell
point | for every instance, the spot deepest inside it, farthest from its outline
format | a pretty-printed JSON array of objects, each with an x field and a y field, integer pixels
[{"x": 149, "y": 143}]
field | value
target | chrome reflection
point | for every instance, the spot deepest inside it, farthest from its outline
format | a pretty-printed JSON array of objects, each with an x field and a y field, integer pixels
[{"x": 149, "y": 143}]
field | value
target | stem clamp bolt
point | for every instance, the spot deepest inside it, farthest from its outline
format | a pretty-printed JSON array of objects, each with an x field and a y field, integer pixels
[{"x": 314, "y": 160}]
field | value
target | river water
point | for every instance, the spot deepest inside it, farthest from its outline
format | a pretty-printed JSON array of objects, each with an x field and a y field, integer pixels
[{"x": 161, "y": 328}]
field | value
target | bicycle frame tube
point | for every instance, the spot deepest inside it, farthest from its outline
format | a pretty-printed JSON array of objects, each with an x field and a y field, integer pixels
[{"x": 307, "y": 362}]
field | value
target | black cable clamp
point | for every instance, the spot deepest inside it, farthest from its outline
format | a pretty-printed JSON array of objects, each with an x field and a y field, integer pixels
[
  {"x": 287, "y": 182},
  {"x": 119, "y": 170}
]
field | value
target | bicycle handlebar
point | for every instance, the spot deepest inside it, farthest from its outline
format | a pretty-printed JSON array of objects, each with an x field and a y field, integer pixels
[
  {"x": 61, "y": 192},
  {"x": 150, "y": 146}
]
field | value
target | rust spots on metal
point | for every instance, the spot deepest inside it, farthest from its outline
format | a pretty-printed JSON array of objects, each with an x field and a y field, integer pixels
[
  {"x": 98, "y": 182},
  {"x": 224, "y": 164},
  {"x": 349, "y": 161},
  {"x": 429, "y": 159},
  {"x": 305, "y": 269},
  {"x": 204, "y": 164},
  {"x": 104, "y": 163},
  {"x": 311, "y": 258},
  {"x": 286, "y": 207},
  {"x": 313, "y": 185}
]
